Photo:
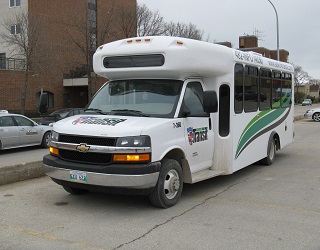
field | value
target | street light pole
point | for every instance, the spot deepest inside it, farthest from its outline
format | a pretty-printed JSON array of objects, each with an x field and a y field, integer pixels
[{"x": 278, "y": 53}]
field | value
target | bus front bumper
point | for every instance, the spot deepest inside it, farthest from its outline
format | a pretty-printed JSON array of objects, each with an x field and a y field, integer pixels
[{"x": 142, "y": 181}]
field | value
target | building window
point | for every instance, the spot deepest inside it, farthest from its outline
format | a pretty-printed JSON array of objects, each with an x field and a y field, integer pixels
[
  {"x": 15, "y": 29},
  {"x": 2, "y": 60},
  {"x": 14, "y": 3}
]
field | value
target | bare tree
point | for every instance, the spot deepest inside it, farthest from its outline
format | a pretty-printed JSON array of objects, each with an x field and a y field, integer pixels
[
  {"x": 80, "y": 27},
  {"x": 149, "y": 23},
  {"x": 125, "y": 19},
  {"x": 21, "y": 34},
  {"x": 184, "y": 30},
  {"x": 86, "y": 30},
  {"x": 300, "y": 76}
]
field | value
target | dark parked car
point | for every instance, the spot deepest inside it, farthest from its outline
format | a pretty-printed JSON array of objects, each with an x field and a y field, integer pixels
[{"x": 59, "y": 114}]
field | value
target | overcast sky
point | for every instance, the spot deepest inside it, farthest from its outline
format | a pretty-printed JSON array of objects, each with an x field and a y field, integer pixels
[{"x": 226, "y": 20}]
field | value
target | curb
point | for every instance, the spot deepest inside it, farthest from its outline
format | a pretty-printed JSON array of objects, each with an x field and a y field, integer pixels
[
  {"x": 21, "y": 172},
  {"x": 298, "y": 117}
]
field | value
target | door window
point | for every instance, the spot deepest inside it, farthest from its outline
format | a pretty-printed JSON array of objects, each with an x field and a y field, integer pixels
[
  {"x": 21, "y": 121},
  {"x": 6, "y": 121},
  {"x": 193, "y": 99}
]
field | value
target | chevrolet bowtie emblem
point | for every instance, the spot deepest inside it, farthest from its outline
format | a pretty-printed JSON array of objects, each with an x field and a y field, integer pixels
[{"x": 83, "y": 148}]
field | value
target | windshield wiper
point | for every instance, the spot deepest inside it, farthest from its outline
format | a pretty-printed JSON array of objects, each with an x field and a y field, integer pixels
[
  {"x": 130, "y": 112},
  {"x": 96, "y": 111}
]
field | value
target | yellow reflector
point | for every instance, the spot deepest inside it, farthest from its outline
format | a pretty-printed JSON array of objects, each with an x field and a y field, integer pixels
[
  {"x": 147, "y": 39},
  {"x": 54, "y": 151},
  {"x": 179, "y": 43},
  {"x": 101, "y": 47},
  {"x": 129, "y": 41},
  {"x": 137, "y": 157},
  {"x": 138, "y": 40}
]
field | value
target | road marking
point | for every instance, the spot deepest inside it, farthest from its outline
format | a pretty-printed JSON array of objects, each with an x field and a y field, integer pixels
[{"x": 46, "y": 236}]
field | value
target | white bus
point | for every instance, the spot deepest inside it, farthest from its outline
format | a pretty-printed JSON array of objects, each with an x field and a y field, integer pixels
[{"x": 174, "y": 111}]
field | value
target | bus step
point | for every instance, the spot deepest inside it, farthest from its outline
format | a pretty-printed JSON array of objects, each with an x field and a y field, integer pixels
[{"x": 205, "y": 174}]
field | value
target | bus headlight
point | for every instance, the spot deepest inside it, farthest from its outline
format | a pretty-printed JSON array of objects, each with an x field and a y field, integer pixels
[
  {"x": 134, "y": 141},
  {"x": 54, "y": 136}
]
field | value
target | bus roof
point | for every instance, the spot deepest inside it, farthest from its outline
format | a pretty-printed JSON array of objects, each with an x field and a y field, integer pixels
[{"x": 172, "y": 58}]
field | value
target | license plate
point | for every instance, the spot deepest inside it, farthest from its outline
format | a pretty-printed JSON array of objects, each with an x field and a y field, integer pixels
[{"x": 78, "y": 176}]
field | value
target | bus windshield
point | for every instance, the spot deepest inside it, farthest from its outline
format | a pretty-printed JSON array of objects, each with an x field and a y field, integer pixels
[{"x": 145, "y": 97}]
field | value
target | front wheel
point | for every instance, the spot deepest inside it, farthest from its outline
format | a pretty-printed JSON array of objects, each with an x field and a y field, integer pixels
[
  {"x": 169, "y": 186},
  {"x": 271, "y": 153},
  {"x": 316, "y": 117}
]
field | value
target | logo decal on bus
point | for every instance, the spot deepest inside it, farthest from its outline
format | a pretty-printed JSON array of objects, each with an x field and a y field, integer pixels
[
  {"x": 197, "y": 134},
  {"x": 97, "y": 121}
]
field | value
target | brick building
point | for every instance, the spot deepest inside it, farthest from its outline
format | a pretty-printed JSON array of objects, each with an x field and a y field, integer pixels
[
  {"x": 250, "y": 43},
  {"x": 67, "y": 34}
]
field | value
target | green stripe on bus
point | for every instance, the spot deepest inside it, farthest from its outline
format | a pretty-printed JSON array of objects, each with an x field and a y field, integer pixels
[{"x": 260, "y": 121}]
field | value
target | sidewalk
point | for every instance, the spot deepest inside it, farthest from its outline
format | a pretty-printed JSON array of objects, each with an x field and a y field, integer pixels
[{"x": 28, "y": 169}]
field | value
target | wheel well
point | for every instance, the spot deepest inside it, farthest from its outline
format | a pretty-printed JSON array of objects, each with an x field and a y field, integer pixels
[
  {"x": 178, "y": 155},
  {"x": 175, "y": 154},
  {"x": 277, "y": 141}
]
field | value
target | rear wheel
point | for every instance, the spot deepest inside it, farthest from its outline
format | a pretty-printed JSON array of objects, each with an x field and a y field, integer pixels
[
  {"x": 46, "y": 139},
  {"x": 73, "y": 190},
  {"x": 316, "y": 117},
  {"x": 271, "y": 153},
  {"x": 169, "y": 187}
]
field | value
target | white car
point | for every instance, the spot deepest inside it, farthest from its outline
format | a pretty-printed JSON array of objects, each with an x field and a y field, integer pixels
[
  {"x": 19, "y": 131},
  {"x": 313, "y": 114},
  {"x": 306, "y": 102}
]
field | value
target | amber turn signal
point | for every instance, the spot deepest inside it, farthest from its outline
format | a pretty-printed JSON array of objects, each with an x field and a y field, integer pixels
[{"x": 132, "y": 157}]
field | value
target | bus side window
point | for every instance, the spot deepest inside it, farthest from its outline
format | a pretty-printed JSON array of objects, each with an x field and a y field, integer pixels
[
  {"x": 224, "y": 110},
  {"x": 265, "y": 89},
  {"x": 286, "y": 91},
  {"x": 250, "y": 96},
  {"x": 238, "y": 88},
  {"x": 276, "y": 89}
]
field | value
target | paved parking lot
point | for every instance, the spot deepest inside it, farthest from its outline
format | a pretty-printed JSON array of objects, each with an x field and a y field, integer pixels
[{"x": 259, "y": 207}]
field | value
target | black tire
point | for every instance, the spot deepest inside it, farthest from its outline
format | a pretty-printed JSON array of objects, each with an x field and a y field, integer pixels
[
  {"x": 46, "y": 139},
  {"x": 271, "y": 153},
  {"x": 75, "y": 191},
  {"x": 316, "y": 117},
  {"x": 169, "y": 186}
]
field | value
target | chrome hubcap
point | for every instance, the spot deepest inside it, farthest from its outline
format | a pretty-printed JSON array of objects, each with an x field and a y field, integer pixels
[{"x": 171, "y": 184}]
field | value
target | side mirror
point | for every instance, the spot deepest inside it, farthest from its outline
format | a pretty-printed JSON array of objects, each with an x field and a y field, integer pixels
[
  {"x": 210, "y": 101},
  {"x": 43, "y": 103}
]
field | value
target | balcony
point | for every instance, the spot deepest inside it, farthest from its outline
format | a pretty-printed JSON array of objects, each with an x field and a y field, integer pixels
[{"x": 12, "y": 64}]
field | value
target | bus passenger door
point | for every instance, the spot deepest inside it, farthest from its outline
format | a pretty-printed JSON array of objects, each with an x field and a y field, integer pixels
[{"x": 197, "y": 126}]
